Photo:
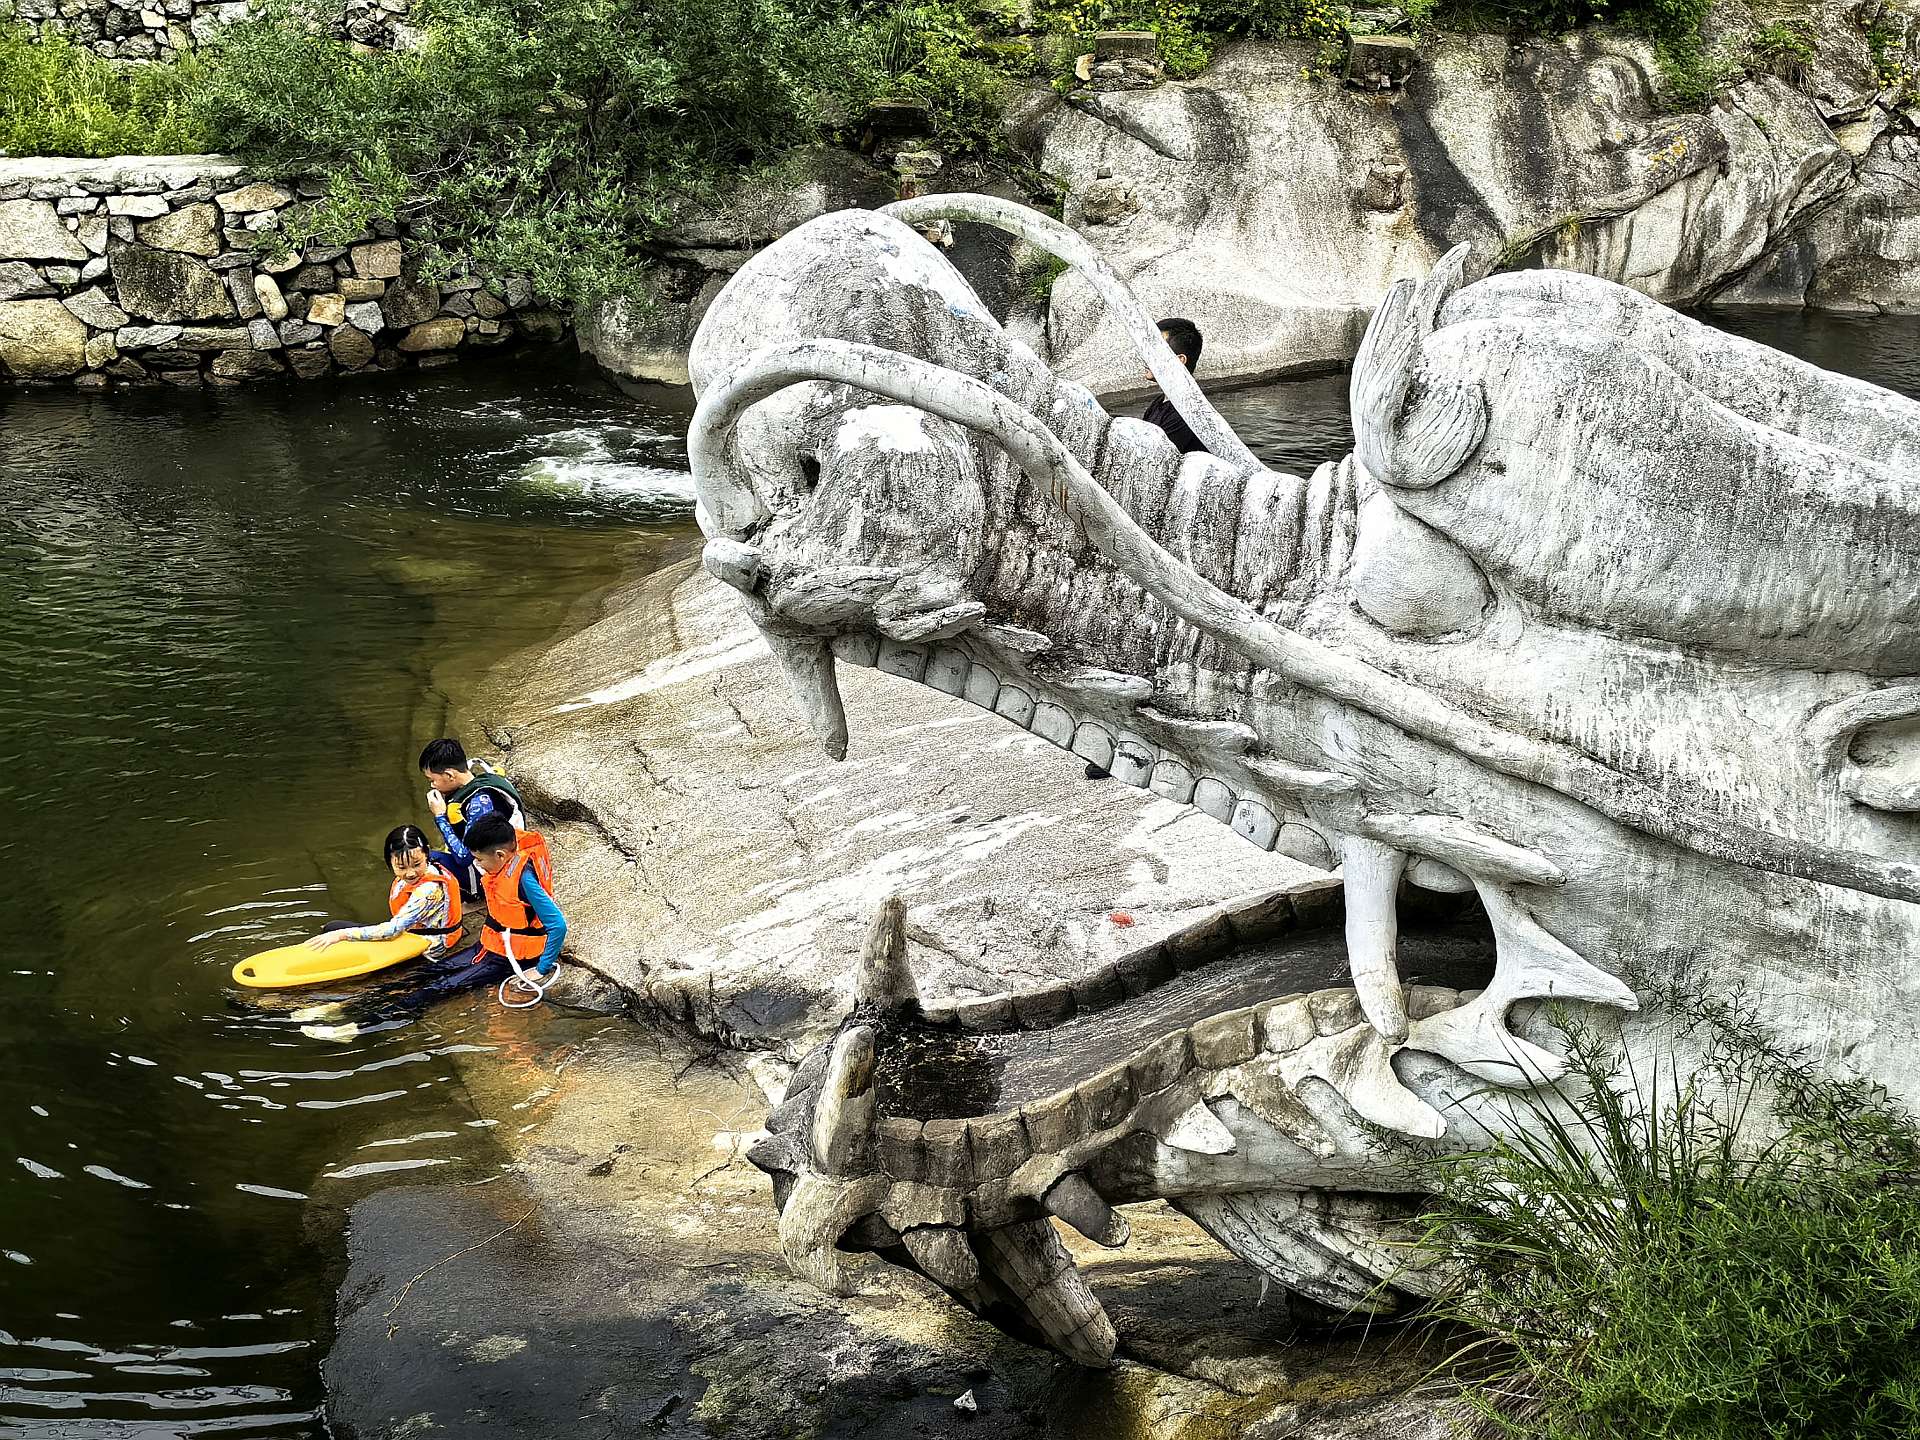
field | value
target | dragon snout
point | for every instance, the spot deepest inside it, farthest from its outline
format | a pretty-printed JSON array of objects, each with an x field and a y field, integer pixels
[{"x": 880, "y": 537}]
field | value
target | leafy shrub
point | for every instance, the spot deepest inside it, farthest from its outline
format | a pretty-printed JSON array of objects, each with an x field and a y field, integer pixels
[
  {"x": 1784, "y": 49},
  {"x": 1646, "y": 1267},
  {"x": 934, "y": 53},
  {"x": 1037, "y": 279},
  {"x": 59, "y": 99},
  {"x": 1673, "y": 21},
  {"x": 1892, "y": 58},
  {"x": 1323, "y": 23},
  {"x": 1189, "y": 31},
  {"x": 550, "y": 137}
]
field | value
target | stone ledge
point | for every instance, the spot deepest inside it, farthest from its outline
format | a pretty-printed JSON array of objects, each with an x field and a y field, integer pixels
[{"x": 127, "y": 173}]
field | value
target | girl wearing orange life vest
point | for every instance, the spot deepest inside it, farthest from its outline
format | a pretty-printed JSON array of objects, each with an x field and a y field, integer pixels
[
  {"x": 423, "y": 900},
  {"x": 523, "y": 923}
]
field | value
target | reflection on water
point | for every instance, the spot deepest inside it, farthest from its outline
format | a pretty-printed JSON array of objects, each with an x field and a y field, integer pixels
[
  {"x": 227, "y": 624},
  {"x": 1293, "y": 427}
]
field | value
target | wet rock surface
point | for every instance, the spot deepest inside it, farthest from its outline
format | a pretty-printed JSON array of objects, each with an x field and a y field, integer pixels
[{"x": 622, "y": 1277}]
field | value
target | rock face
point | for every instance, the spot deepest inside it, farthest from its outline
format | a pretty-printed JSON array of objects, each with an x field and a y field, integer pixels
[
  {"x": 41, "y": 340},
  {"x": 192, "y": 230},
  {"x": 140, "y": 245},
  {"x": 165, "y": 286},
  {"x": 1860, "y": 254},
  {"x": 1274, "y": 210},
  {"x": 31, "y": 230},
  {"x": 648, "y": 341},
  {"x": 728, "y": 870}
]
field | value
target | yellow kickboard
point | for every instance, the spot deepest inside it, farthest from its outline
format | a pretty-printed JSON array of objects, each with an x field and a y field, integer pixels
[{"x": 291, "y": 965}]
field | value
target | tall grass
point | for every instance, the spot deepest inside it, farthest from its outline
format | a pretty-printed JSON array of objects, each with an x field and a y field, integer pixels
[
  {"x": 57, "y": 98},
  {"x": 1734, "y": 1255}
]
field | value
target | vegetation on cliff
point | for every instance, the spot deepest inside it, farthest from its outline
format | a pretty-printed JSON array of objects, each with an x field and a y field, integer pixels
[{"x": 559, "y": 139}]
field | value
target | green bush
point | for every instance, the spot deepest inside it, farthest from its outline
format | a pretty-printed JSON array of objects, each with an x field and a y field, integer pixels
[
  {"x": 1898, "y": 76},
  {"x": 554, "y": 138},
  {"x": 1645, "y": 1267},
  {"x": 557, "y": 138},
  {"x": 1037, "y": 279},
  {"x": 1189, "y": 31},
  {"x": 59, "y": 99},
  {"x": 934, "y": 53},
  {"x": 1657, "y": 18}
]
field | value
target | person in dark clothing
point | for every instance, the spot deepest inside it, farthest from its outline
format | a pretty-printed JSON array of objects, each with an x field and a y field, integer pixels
[{"x": 1183, "y": 338}]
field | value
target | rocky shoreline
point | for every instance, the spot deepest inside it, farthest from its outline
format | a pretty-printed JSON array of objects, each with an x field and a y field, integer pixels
[
  {"x": 695, "y": 813},
  {"x": 624, "y": 1271}
]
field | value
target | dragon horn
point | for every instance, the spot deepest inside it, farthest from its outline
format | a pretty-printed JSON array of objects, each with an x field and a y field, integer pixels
[{"x": 883, "y": 985}]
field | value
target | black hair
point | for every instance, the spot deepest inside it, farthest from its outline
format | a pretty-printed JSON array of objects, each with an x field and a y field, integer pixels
[
  {"x": 1183, "y": 337},
  {"x": 447, "y": 754},
  {"x": 489, "y": 832},
  {"x": 403, "y": 840}
]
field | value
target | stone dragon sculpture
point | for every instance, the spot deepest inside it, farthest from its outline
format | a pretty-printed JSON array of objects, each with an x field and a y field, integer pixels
[{"x": 1592, "y": 663}]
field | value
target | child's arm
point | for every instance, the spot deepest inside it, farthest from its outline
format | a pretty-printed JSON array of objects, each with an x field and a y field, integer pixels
[
  {"x": 454, "y": 847},
  {"x": 417, "y": 911},
  {"x": 478, "y": 804},
  {"x": 549, "y": 916}
]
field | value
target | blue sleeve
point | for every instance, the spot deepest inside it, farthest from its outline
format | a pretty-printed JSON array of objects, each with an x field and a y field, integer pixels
[
  {"x": 454, "y": 847},
  {"x": 475, "y": 805},
  {"x": 549, "y": 916}
]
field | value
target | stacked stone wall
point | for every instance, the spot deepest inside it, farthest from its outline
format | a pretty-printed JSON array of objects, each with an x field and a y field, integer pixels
[
  {"x": 161, "y": 270},
  {"x": 164, "y": 29}
]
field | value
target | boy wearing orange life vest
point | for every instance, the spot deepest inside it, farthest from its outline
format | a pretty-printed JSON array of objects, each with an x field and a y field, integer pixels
[
  {"x": 523, "y": 923},
  {"x": 424, "y": 898}
]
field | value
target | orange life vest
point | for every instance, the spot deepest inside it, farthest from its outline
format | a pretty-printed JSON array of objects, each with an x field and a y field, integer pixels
[
  {"x": 402, "y": 892},
  {"x": 512, "y": 928}
]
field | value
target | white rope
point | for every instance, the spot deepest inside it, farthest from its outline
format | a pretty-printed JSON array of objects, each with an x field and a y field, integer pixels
[{"x": 523, "y": 981}]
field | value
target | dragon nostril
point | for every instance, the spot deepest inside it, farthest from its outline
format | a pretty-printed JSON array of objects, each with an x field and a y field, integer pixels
[{"x": 809, "y": 472}]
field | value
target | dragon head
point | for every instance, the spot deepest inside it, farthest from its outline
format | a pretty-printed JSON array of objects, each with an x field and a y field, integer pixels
[{"x": 1601, "y": 629}]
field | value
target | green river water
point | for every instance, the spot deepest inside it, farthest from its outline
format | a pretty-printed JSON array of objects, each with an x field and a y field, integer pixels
[{"x": 227, "y": 624}]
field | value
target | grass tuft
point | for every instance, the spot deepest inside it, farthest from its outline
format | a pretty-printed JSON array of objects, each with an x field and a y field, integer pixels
[{"x": 1732, "y": 1255}]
